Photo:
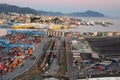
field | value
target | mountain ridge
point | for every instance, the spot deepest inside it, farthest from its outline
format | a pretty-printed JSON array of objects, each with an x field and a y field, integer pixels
[{"x": 6, "y": 8}]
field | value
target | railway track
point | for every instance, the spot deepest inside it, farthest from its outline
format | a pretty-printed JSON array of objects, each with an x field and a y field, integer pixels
[
  {"x": 69, "y": 58},
  {"x": 65, "y": 70},
  {"x": 42, "y": 56},
  {"x": 35, "y": 71},
  {"x": 63, "y": 64},
  {"x": 46, "y": 56}
]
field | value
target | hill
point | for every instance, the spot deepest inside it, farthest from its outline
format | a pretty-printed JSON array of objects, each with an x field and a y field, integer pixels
[
  {"x": 87, "y": 14},
  {"x": 12, "y": 8}
]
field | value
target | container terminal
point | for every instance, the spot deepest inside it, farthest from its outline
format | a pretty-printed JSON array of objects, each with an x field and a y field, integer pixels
[{"x": 32, "y": 51}]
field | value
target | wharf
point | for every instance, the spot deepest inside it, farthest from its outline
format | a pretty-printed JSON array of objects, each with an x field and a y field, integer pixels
[{"x": 27, "y": 64}]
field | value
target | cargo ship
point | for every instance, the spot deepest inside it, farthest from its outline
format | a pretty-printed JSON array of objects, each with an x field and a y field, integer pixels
[{"x": 23, "y": 27}]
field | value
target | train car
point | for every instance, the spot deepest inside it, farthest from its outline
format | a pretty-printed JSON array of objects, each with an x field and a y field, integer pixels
[
  {"x": 43, "y": 63},
  {"x": 49, "y": 59}
]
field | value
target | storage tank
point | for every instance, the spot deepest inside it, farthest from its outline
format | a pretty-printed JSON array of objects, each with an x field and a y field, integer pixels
[
  {"x": 110, "y": 34},
  {"x": 95, "y": 33},
  {"x": 63, "y": 33},
  {"x": 53, "y": 33},
  {"x": 50, "y": 27},
  {"x": 102, "y": 68},
  {"x": 117, "y": 34},
  {"x": 68, "y": 35},
  {"x": 57, "y": 33},
  {"x": 95, "y": 55},
  {"x": 102, "y": 34},
  {"x": 74, "y": 42},
  {"x": 65, "y": 27},
  {"x": 48, "y": 33},
  {"x": 87, "y": 61},
  {"x": 57, "y": 27}
]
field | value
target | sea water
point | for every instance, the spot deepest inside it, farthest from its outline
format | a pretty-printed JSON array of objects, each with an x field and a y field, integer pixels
[{"x": 97, "y": 28}]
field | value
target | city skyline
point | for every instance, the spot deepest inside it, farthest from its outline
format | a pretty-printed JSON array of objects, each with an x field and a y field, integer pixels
[{"x": 107, "y": 7}]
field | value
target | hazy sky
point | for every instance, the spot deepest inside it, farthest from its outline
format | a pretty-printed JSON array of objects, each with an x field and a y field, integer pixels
[{"x": 108, "y": 7}]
